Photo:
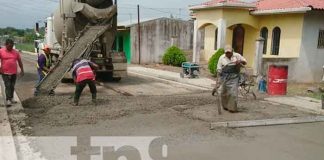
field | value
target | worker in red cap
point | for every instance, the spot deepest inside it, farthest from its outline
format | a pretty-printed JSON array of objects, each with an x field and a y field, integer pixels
[{"x": 44, "y": 64}]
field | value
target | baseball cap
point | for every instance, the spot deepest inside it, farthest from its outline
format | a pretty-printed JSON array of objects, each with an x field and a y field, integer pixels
[{"x": 228, "y": 48}]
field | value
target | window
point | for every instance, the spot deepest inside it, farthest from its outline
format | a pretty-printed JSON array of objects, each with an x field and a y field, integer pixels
[
  {"x": 276, "y": 33},
  {"x": 216, "y": 38},
  {"x": 320, "y": 44},
  {"x": 264, "y": 35}
]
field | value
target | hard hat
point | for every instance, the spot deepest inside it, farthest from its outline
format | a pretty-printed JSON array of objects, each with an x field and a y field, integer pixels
[{"x": 46, "y": 48}]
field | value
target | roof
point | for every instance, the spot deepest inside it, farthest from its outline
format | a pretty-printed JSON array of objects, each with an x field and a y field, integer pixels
[
  {"x": 266, "y": 6},
  {"x": 223, "y": 3},
  {"x": 288, "y": 4}
]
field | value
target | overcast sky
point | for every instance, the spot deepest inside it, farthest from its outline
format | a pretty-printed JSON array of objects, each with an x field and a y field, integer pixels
[{"x": 25, "y": 13}]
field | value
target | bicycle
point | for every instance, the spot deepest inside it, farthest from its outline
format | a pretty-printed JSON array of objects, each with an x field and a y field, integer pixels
[{"x": 246, "y": 84}]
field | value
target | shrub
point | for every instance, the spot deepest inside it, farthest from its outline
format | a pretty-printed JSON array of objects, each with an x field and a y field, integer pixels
[
  {"x": 174, "y": 56},
  {"x": 212, "y": 63}
]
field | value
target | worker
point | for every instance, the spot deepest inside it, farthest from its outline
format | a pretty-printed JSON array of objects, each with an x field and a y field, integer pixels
[
  {"x": 9, "y": 69},
  {"x": 83, "y": 74},
  {"x": 228, "y": 69},
  {"x": 44, "y": 63}
]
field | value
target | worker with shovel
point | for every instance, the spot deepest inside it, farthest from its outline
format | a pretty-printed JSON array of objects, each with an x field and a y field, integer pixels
[
  {"x": 83, "y": 74},
  {"x": 228, "y": 69},
  {"x": 44, "y": 63}
]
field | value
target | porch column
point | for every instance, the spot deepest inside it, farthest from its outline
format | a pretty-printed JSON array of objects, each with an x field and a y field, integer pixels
[
  {"x": 257, "y": 67},
  {"x": 221, "y": 37},
  {"x": 196, "y": 43}
]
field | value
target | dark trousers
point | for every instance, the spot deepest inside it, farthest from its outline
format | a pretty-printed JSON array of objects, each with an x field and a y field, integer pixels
[
  {"x": 80, "y": 86},
  {"x": 9, "y": 82}
]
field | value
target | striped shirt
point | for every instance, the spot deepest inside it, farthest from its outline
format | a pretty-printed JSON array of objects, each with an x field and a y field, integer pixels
[{"x": 82, "y": 71}]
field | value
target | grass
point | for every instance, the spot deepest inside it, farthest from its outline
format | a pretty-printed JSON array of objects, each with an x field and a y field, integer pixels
[
  {"x": 300, "y": 89},
  {"x": 25, "y": 47}
]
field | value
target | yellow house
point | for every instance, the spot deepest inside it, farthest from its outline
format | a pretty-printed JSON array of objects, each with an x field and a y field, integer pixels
[{"x": 293, "y": 31}]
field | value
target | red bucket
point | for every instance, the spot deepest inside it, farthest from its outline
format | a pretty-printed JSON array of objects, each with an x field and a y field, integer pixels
[{"x": 277, "y": 79}]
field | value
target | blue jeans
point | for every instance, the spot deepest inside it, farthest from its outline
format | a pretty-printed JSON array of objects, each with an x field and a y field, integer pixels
[{"x": 40, "y": 78}]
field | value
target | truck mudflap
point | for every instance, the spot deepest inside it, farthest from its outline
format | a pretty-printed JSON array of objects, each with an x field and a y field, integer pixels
[
  {"x": 114, "y": 67},
  {"x": 119, "y": 62}
]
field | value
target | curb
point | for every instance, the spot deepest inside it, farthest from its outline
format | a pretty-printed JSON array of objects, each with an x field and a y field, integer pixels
[
  {"x": 267, "y": 122},
  {"x": 7, "y": 144}
]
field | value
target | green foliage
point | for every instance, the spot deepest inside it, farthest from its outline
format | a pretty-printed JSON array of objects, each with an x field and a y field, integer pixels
[
  {"x": 25, "y": 47},
  {"x": 212, "y": 64},
  {"x": 174, "y": 56},
  {"x": 28, "y": 35}
]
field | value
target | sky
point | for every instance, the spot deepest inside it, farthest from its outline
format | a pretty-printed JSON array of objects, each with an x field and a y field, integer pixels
[{"x": 25, "y": 13}]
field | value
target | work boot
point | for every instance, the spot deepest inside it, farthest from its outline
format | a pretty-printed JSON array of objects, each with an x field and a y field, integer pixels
[
  {"x": 52, "y": 93},
  {"x": 213, "y": 92},
  {"x": 75, "y": 104},
  {"x": 8, "y": 103},
  {"x": 13, "y": 101}
]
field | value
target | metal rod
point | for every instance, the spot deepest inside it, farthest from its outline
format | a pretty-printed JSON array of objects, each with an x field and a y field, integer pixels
[{"x": 139, "y": 34}]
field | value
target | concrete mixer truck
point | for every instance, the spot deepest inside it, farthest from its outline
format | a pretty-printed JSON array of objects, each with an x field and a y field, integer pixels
[{"x": 85, "y": 29}]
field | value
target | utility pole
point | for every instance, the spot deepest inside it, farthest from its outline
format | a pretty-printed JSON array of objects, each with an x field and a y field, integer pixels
[{"x": 139, "y": 34}]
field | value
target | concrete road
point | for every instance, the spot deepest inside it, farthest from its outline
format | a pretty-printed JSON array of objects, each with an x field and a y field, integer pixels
[{"x": 148, "y": 110}]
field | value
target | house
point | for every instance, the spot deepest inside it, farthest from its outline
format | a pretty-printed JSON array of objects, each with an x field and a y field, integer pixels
[
  {"x": 293, "y": 31},
  {"x": 156, "y": 36}
]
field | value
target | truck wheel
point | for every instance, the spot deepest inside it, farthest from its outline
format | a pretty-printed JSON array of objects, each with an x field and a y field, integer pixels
[
  {"x": 116, "y": 79},
  {"x": 67, "y": 80}
]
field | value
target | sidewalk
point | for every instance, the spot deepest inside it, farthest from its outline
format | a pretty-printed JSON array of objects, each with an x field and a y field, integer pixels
[{"x": 201, "y": 82}]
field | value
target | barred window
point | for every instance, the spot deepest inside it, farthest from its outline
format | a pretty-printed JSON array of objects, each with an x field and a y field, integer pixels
[
  {"x": 320, "y": 44},
  {"x": 276, "y": 33},
  {"x": 264, "y": 34},
  {"x": 216, "y": 39}
]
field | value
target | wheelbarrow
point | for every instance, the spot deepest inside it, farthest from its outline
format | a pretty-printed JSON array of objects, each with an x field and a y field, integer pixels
[{"x": 190, "y": 70}]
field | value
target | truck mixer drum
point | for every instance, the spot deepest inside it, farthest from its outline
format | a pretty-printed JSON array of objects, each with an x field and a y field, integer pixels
[{"x": 99, "y": 3}]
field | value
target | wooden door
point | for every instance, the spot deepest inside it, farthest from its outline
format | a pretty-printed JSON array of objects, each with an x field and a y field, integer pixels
[{"x": 238, "y": 39}]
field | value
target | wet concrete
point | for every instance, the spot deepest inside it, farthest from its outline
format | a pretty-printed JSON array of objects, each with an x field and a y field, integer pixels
[{"x": 181, "y": 117}]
